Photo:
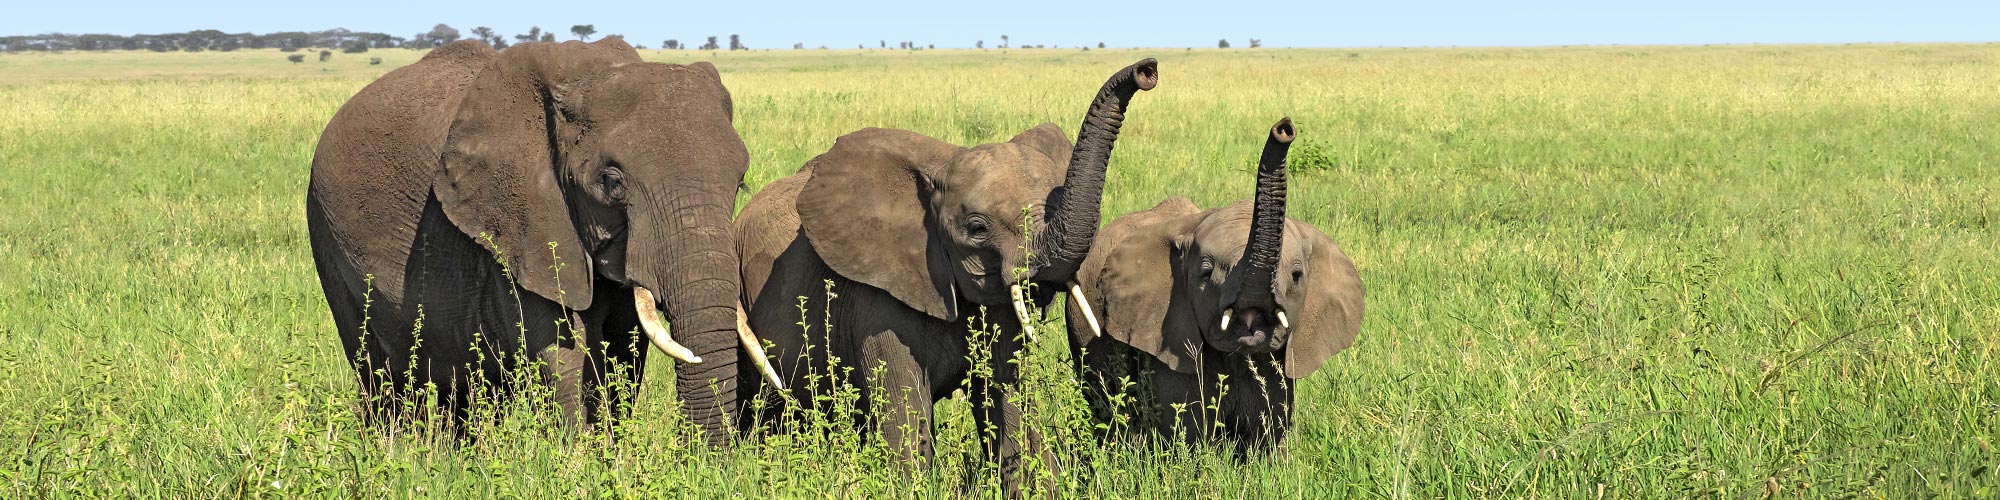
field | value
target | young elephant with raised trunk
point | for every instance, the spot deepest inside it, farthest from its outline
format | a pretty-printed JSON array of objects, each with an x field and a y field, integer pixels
[
  {"x": 919, "y": 237},
  {"x": 1229, "y": 306}
]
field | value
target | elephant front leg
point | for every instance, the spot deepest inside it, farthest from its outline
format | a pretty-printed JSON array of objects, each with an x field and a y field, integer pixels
[
  {"x": 899, "y": 397},
  {"x": 1003, "y": 436}
]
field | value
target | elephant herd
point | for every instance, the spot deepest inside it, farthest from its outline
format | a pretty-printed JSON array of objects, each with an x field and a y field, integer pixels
[{"x": 480, "y": 213}]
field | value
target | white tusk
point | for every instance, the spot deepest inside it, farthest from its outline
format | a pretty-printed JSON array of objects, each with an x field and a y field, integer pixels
[
  {"x": 1076, "y": 294},
  {"x": 649, "y": 320},
  {"x": 1282, "y": 321},
  {"x": 1021, "y": 310},
  {"x": 756, "y": 348},
  {"x": 1225, "y": 317}
]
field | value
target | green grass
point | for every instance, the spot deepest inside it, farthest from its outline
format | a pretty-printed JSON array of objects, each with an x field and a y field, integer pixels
[{"x": 1627, "y": 272}]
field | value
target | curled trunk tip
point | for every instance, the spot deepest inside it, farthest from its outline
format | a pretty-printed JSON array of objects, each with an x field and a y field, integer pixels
[
  {"x": 1282, "y": 133},
  {"x": 1146, "y": 73}
]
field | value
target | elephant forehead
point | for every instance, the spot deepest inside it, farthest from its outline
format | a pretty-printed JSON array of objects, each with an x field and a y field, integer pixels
[
  {"x": 1000, "y": 174},
  {"x": 1226, "y": 231}
]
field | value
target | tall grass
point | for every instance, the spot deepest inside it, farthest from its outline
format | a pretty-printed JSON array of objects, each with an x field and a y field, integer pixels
[{"x": 1632, "y": 272}]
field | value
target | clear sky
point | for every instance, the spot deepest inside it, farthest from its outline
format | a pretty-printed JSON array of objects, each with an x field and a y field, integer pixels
[{"x": 1281, "y": 23}]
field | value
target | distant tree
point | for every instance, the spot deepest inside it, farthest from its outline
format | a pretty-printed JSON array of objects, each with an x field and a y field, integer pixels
[
  {"x": 1255, "y": 43},
  {"x": 979, "y": 44},
  {"x": 1222, "y": 44},
  {"x": 672, "y": 44},
  {"x": 487, "y": 35},
  {"x": 885, "y": 43},
  {"x": 710, "y": 45},
  {"x": 441, "y": 34},
  {"x": 534, "y": 33},
  {"x": 296, "y": 58},
  {"x": 1100, "y": 45},
  {"x": 583, "y": 31},
  {"x": 355, "y": 47},
  {"x": 325, "y": 55},
  {"x": 736, "y": 43},
  {"x": 931, "y": 46},
  {"x": 548, "y": 38},
  {"x": 1003, "y": 41},
  {"x": 799, "y": 46}
]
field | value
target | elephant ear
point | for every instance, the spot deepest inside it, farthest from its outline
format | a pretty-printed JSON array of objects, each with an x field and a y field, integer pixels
[
  {"x": 497, "y": 178},
  {"x": 1145, "y": 298},
  {"x": 1333, "y": 307},
  {"x": 1050, "y": 141},
  {"x": 864, "y": 212}
]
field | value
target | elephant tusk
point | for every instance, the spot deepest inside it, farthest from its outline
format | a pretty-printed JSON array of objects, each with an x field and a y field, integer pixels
[
  {"x": 1021, "y": 310},
  {"x": 1225, "y": 317},
  {"x": 1282, "y": 321},
  {"x": 756, "y": 348},
  {"x": 1076, "y": 294},
  {"x": 649, "y": 320}
]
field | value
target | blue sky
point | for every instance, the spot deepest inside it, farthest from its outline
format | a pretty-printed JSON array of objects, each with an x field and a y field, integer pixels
[{"x": 1295, "y": 23}]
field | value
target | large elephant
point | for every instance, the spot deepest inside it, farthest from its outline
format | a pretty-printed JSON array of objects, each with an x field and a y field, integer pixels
[
  {"x": 917, "y": 238},
  {"x": 478, "y": 211},
  {"x": 1211, "y": 316}
]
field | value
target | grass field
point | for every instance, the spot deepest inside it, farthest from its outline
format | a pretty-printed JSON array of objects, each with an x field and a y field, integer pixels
[{"x": 1613, "y": 272}]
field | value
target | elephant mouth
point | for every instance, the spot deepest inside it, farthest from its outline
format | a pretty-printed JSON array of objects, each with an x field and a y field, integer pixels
[{"x": 1251, "y": 330}]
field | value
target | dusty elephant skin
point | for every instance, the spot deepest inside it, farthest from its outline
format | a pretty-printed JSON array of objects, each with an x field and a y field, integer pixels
[
  {"x": 510, "y": 196},
  {"x": 917, "y": 236},
  {"x": 1232, "y": 306}
]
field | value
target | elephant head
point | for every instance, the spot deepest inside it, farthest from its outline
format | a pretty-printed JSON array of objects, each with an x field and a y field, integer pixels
[
  {"x": 933, "y": 223},
  {"x": 577, "y": 162},
  {"x": 1235, "y": 280}
]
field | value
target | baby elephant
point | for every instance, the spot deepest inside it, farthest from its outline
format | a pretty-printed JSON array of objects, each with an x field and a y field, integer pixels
[{"x": 1204, "y": 321}]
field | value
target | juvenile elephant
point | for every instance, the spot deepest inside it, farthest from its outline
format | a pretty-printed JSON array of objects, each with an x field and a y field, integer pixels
[
  {"x": 1227, "y": 306},
  {"x": 479, "y": 210},
  {"x": 918, "y": 237}
]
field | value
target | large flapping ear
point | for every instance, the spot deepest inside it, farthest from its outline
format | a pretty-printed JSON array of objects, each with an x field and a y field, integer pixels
[
  {"x": 864, "y": 212},
  {"x": 1050, "y": 141},
  {"x": 1090, "y": 274},
  {"x": 496, "y": 180},
  {"x": 1333, "y": 307},
  {"x": 1145, "y": 298}
]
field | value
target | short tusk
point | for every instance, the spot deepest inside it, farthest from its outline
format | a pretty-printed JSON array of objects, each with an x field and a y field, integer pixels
[
  {"x": 1282, "y": 321},
  {"x": 1225, "y": 317},
  {"x": 756, "y": 348},
  {"x": 1076, "y": 294},
  {"x": 649, "y": 320},
  {"x": 1021, "y": 310}
]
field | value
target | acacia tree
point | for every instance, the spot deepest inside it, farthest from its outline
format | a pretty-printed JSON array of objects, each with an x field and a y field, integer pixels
[
  {"x": 583, "y": 31},
  {"x": 736, "y": 43},
  {"x": 979, "y": 44},
  {"x": 441, "y": 34},
  {"x": 1222, "y": 44},
  {"x": 534, "y": 33},
  {"x": 1255, "y": 43},
  {"x": 711, "y": 44},
  {"x": 1003, "y": 41},
  {"x": 672, "y": 44}
]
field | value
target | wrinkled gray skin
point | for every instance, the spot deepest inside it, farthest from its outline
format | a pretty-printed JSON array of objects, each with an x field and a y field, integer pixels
[
  {"x": 1159, "y": 282},
  {"x": 918, "y": 235},
  {"x": 433, "y": 177}
]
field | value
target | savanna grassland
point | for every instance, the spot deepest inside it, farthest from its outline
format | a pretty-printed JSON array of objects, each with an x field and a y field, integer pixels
[{"x": 1617, "y": 272}]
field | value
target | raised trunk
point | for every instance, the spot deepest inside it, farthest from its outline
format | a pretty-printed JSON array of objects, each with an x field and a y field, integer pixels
[
  {"x": 1073, "y": 209},
  {"x": 682, "y": 249},
  {"x": 1267, "y": 218}
]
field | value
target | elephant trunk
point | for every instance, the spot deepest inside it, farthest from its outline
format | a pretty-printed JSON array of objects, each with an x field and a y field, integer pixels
[
  {"x": 1073, "y": 208},
  {"x": 1267, "y": 219},
  {"x": 682, "y": 249}
]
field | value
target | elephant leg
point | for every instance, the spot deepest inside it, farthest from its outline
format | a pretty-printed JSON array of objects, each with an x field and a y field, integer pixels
[
  {"x": 899, "y": 384},
  {"x": 617, "y": 354},
  {"x": 1003, "y": 436},
  {"x": 563, "y": 373}
]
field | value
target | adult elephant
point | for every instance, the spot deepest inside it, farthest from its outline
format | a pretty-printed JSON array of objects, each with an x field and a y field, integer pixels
[
  {"x": 917, "y": 238},
  {"x": 1208, "y": 317},
  {"x": 478, "y": 211}
]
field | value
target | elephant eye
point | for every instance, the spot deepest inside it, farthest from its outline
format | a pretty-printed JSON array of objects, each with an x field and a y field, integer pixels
[
  {"x": 976, "y": 227},
  {"x": 1298, "y": 271},
  {"x": 1207, "y": 267},
  {"x": 613, "y": 180}
]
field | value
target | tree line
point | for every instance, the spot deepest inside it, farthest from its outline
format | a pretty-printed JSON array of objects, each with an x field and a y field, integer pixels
[{"x": 360, "y": 41}]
